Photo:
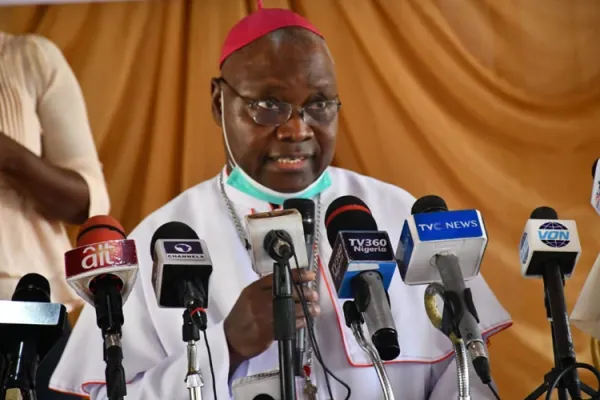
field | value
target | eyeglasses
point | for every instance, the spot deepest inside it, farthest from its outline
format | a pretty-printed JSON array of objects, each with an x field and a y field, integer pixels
[{"x": 275, "y": 113}]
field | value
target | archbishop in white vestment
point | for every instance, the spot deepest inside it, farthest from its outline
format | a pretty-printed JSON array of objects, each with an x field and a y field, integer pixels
[
  {"x": 277, "y": 103},
  {"x": 155, "y": 355}
]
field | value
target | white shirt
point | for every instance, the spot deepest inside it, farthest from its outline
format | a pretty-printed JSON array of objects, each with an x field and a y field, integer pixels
[
  {"x": 155, "y": 354},
  {"x": 42, "y": 109}
]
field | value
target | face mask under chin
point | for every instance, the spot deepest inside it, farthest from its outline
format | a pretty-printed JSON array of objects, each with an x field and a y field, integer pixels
[{"x": 241, "y": 181}]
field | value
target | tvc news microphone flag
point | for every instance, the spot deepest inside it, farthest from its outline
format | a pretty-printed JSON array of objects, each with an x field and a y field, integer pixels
[
  {"x": 423, "y": 235},
  {"x": 442, "y": 246}
]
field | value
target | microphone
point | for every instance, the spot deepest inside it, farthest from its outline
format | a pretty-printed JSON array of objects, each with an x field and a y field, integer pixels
[
  {"x": 261, "y": 225},
  {"x": 434, "y": 236},
  {"x": 362, "y": 265},
  {"x": 550, "y": 249},
  {"x": 595, "y": 201},
  {"x": 30, "y": 326},
  {"x": 264, "y": 386},
  {"x": 433, "y": 229},
  {"x": 306, "y": 208},
  {"x": 102, "y": 270},
  {"x": 275, "y": 237},
  {"x": 181, "y": 270}
]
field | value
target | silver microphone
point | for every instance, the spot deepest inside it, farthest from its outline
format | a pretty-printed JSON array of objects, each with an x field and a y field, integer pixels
[
  {"x": 306, "y": 208},
  {"x": 456, "y": 292},
  {"x": 373, "y": 301}
]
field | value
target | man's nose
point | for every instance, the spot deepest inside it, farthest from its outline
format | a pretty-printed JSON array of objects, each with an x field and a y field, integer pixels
[{"x": 295, "y": 129}]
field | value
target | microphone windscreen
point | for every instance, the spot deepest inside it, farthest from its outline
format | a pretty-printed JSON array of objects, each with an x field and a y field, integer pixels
[
  {"x": 427, "y": 204},
  {"x": 306, "y": 208},
  {"x": 348, "y": 213},
  {"x": 172, "y": 230},
  {"x": 32, "y": 287},
  {"x": 263, "y": 397},
  {"x": 98, "y": 229},
  {"x": 544, "y": 213}
]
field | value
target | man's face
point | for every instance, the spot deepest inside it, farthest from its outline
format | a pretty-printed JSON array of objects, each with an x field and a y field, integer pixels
[{"x": 259, "y": 78}]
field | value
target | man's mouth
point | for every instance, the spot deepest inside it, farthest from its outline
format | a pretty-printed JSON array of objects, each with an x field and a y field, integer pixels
[{"x": 288, "y": 162}]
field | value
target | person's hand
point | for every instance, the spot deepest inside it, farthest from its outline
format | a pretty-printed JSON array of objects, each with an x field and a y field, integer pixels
[
  {"x": 249, "y": 325},
  {"x": 8, "y": 148}
]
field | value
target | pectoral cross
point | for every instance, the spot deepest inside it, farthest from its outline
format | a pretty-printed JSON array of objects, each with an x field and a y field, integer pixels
[{"x": 310, "y": 390}]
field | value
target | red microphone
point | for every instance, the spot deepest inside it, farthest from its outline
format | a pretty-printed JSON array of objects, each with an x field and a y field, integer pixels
[
  {"x": 103, "y": 254},
  {"x": 102, "y": 270}
]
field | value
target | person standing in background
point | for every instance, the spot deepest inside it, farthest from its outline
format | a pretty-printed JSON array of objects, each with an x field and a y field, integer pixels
[{"x": 50, "y": 174}]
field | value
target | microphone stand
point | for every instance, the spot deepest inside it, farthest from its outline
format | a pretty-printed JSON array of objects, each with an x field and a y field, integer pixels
[
  {"x": 109, "y": 316},
  {"x": 28, "y": 331},
  {"x": 462, "y": 370},
  {"x": 19, "y": 383},
  {"x": 284, "y": 325},
  {"x": 301, "y": 333},
  {"x": 194, "y": 321},
  {"x": 193, "y": 379},
  {"x": 447, "y": 324},
  {"x": 562, "y": 343}
]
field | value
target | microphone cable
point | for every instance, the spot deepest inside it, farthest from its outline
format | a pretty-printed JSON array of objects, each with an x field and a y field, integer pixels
[
  {"x": 312, "y": 335},
  {"x": 568, "y": 369},
  {"x": 199, "y": 319},
  {"x": 210, "y": 361},
  {"x": 494, "y": 391}
]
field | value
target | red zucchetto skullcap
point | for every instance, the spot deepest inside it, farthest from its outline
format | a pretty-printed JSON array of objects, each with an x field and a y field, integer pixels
[{"x": 259, "y": 24}]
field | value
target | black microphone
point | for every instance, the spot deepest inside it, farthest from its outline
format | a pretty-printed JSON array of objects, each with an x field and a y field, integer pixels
[
  {"x": 181, "y": 270},
  {"x": 306, "y": 208},
  {"x": 550, "y": 249},
  {"x": 263, "y": 397},
  {"x": 35, "y": 326},
  {"x": 362, "y": 265}
]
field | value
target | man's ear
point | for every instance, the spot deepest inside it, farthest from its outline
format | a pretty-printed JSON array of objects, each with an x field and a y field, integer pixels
[{"x": 215, "y": 94}]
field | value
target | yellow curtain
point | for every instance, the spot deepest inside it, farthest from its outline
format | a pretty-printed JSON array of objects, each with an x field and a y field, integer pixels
[{"x": 492, "y": 104}]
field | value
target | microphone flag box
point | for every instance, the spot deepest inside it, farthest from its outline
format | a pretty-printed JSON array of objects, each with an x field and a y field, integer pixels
[
  {"x": 460, "y": 232},
  {"x": 260, "y": 224},
  {"x": 586, "y": 313},
  {"x": 18, "y": 319},
  {"x": 178, "y": 261},
  {"x": 355, "y": 252},
  {"x": 595, "y": 200},
  {"x": 84, "y": 263},
  {"x": 543, "y": 241},
  {"x": 263, "y": 386}
]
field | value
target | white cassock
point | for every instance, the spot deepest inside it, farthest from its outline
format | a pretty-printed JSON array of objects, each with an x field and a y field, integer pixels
[{"x": 155, "y": 354}]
